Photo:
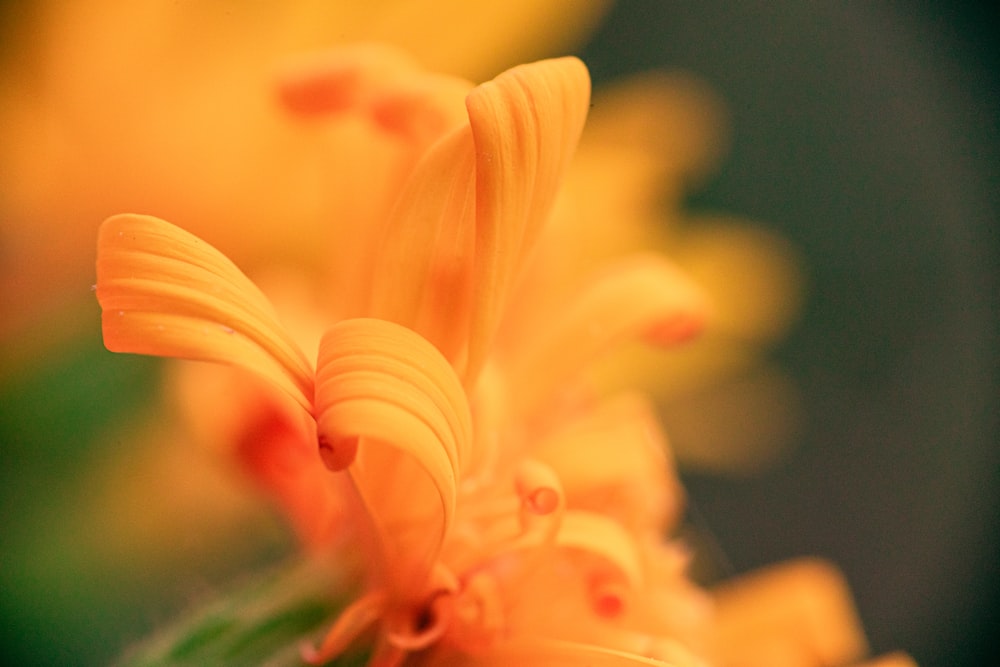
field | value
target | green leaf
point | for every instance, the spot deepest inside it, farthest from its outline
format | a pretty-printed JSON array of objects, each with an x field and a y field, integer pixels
[{"x": 264, "y": 621}]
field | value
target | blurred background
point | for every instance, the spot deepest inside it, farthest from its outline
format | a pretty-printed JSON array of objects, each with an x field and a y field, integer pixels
[{"x": 866, "y": 134}]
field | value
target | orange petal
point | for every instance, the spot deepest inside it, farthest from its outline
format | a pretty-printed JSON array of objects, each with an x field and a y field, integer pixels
[
  {"x": 387, "y": 396},
  {"x": 423, "y": 271},
  {"x": 794, "y": 613},
  {"x": 379, "y": 82},
  {"x": 638, "y": 296},
  {"x": 605, "y": 538},
  {"x": 526, "y": 124},
  {"x": 614, "y": 461},
  {"x": 167, "y": 293}
]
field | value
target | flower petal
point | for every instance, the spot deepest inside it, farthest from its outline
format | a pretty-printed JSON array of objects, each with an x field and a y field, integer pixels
[
  {"x": 605, "y": 538},
  {"x": 387, "y": 398},
  {"x": 642, "y": 295},
  {"x": 526, "y": 124},
  {"x": 614, "y": 461},
  {"x": 799, "y": 612},
  {"x": 423, "y": 271},
  {"x": 167, "y": 293},
  {"x": 380, "y": 82}
]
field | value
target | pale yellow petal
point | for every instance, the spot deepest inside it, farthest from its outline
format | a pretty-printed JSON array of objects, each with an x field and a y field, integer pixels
[{"x": 167, "y": 293}]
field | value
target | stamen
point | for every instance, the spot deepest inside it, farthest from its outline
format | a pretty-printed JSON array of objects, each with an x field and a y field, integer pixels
[{"x": 542, "y": 500}]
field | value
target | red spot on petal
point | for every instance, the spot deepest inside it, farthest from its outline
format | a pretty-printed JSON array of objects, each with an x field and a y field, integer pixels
[
  {"x": 543, "y": 500},
  {"x": 337, "y": 454}
]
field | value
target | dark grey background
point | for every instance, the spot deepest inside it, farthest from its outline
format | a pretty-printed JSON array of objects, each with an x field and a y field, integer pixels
[{"x": 866, "y": 133}]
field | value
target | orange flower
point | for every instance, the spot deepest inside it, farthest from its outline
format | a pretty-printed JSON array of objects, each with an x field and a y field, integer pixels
[
  {"x": 456, "y": 517},
  {"x": 496, "y": 511}
]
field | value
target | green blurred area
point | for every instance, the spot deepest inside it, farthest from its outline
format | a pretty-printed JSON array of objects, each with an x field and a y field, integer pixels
[{"x": 64, "y": 602}]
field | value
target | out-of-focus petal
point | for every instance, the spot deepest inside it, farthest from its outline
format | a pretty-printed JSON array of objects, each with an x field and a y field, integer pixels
[
  {"x": 674, "y": 119},
  {"x": 763, "y": 415},
  {"x": 380, "y": 83},
  {"x": 614, "y": 460},
  {"x": 385, "y": 400},
  {"x": 525, "y": 124},
  {"x": 167, "y": 293},
  {"x": 788, "y": 615},
  {"x": 476, "y": 38},
  {"x": 751, "y": 276},
  {"x": 638, "y": 296},
  {"x": 423, "y": 273},
  {"x": 604, "y": 538}
]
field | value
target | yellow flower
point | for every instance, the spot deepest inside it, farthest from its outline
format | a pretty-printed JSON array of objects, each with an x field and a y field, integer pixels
[{"x": 496, "y": 510}]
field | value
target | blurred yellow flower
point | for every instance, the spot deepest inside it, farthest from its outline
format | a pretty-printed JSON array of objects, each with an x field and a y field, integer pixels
[{"x": 496, "y": 509}]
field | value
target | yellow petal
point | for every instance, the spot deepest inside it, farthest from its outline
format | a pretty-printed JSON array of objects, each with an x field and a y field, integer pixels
[
  {"x": 526, "y": 124},
  {"x": 167, "y": 293},
  {"x": 387, "y": 397},
  {"x": 638, "y": 296}
]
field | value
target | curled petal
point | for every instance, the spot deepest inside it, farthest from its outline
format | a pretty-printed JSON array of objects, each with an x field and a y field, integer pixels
[
  {"x": 383, "y": 388},
  {"x": 167, "y": 293},
  {"x": 638, "y": 296},
  {"x": 380, "y": 380},
  {"x": 526, "y": 124}
]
